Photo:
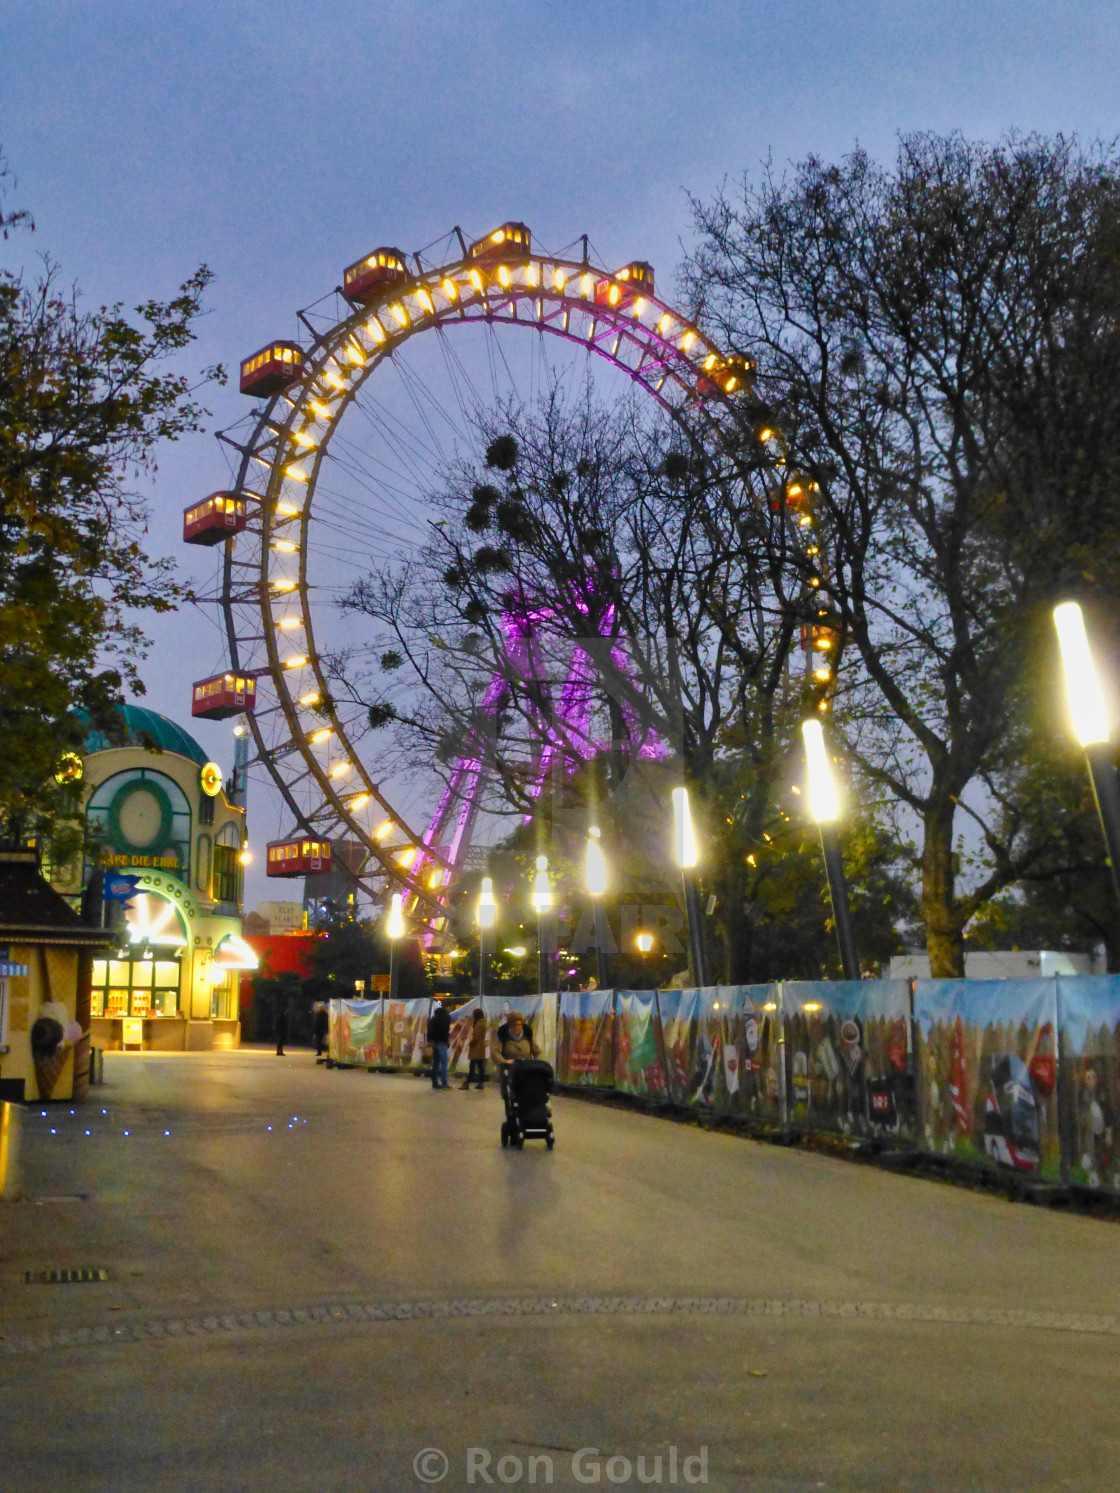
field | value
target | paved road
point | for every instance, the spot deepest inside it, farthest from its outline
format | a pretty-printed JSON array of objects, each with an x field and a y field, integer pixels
[{"x": 315, "y": 1275}]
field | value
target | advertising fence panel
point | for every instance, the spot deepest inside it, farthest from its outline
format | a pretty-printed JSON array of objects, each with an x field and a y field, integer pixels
[
  {"x": 849, "y": 1056},
  {"x": 1089, "y": 1015},
  {"x": 639, "y": 1057},
  {"x": 359, "y": 1033},
  {"x": 462, "y": 1020},
  {"x": 987, "y": 1072},
  {"x": 539, "y": 1012},
  {"x": 585, "y": 1038},
  {"x": 680, "y": 1017},
  {"x": 721, "y": 1048},
  {"x": 743, "y": 1028},
  {"x": 404, "y": 1031}
]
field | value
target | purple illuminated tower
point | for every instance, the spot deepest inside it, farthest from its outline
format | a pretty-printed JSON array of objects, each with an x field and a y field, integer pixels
[{"x": 564, "y": 738}]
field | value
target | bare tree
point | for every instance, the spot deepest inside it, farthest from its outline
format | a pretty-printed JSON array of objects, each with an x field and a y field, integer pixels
[
  {"x": 597, "y": 550},
  {"x": 939, "y": 345}
]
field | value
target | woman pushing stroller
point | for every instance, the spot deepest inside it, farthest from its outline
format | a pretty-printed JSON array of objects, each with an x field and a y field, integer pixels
[
  {"x": 526, "y": 1083},
  {"x": 513, "y": 1042}
]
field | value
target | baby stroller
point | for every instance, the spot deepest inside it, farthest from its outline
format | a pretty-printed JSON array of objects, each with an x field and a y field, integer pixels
[{"x": 528, "y": 1084}]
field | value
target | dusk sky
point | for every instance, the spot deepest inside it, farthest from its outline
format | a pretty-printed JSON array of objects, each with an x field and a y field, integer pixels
[{"x": 279, "y": 142}]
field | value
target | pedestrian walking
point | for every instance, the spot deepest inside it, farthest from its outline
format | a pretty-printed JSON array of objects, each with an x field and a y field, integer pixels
[
  {"x": 280, "y": 1026},
  {"x": 439, "y": 1035},
  {"x": 476, "y": 1052},
  {"x": 322, "y": 1027},
  {"x": 513, "y": 1042}
]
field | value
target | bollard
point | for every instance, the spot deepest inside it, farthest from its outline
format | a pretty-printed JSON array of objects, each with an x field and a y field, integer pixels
[{"x": 10, "y": 1117}]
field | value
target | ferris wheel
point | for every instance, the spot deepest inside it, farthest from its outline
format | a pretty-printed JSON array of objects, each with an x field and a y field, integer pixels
[{"x": 352, "y": 421}]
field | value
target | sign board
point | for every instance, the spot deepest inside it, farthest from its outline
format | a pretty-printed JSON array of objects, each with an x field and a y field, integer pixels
[
  {"x": 380, "y": 982},
  {"x": 118, "y": 888},
  {"x": 132, "y": 1034}
]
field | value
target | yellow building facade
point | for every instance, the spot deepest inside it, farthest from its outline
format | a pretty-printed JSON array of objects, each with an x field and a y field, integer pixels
[{"x": 160, "y": 826}]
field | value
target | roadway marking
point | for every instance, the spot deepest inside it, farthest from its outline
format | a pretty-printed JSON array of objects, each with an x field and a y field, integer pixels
[{"x": 229, "y": 1324}]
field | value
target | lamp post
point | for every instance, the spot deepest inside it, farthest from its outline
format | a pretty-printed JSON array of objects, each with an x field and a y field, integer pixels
[
  {"x": 684, "y": 851},
  {"x": 1089, "y": 715},
  {"x": 542, "y": 902},
  {"x": 486, "y": 915},
  {"x": 394, "y": 928},
  {"x": 643, "y": 942},
  {"x": 596, "y": 881},
  {"x": 824, "y": 803}
]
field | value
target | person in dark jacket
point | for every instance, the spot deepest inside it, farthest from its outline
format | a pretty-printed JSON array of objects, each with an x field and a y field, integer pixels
[
  {"x": 322, "y": 1027},
  {"x": 439, "y": 1035},
  {"x": 280, "y": 1026}
]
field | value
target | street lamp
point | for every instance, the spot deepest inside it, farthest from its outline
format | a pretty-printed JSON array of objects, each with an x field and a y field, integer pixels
[
  {"x": 824, "y": 804},
  {"x": 394, "y": 928},
  {"x": 684, "y": 851},
  {"x": 595, "y": 878},
  {"x": 542, "y": 903},
  {"x": 486, "y": 915},
  {"x": 1089, "y": 715},
  {"x": 643, "y": 942}
]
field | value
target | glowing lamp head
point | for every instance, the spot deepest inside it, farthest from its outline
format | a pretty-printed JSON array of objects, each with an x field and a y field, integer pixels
[
  {"x": 394, "y": 926},
  {"x": 542, "y": 888},
  {"x": 824, "y": 802},
  {"x": 1087, "y": 708},
  {"x": 644, "y": 942},
  {"x": 684, "y": 841},
  {"x": 486, "y": 914},
  {"x": 596, "y": 866}
]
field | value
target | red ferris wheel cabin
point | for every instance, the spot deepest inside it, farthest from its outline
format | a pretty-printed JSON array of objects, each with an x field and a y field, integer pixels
[
  {"x": 368, "y": 279},
  {"x": 224, "y": 695},
  {"x": 273, "y": 369},
  {"x": 297, "y": 857},
  {"x": 511, "y": 241},
  {"x": 214, "y": 519},
  {"x": 625, "y": 285}
]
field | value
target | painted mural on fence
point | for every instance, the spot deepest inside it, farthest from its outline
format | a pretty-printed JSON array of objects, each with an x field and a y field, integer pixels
[
  {"x": 539, "y": 1012},
  {"x": 721, "y": 1049},
  {"x": 359, "y": 1033},
  {"x": 1089, "y": 1009},
  {"x": 987, "y": 1072},
  {"x": 639, "y": 1060},
  {"x": 585, "y": 1038},
  {"x": 848, "y": 1060},
  {"x": 404, "y": 1031},
  {"x": 462, "y": 1020}
]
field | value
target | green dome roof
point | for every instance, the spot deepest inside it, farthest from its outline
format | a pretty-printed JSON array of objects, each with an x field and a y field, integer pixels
[{"x": 142, "y": 724}]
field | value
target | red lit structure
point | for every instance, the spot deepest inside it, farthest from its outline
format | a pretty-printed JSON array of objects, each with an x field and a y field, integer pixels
[
  {"x": 224, "y": 695},
  {"x": 367, "y": 280},
  {"x": 625, "y": 285},
  {"x": 511, "y": 241},
  {"x": 214, "y": 519},
  {"x": 273, "y": 369},
  {"x": 297, "y": 857}
]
